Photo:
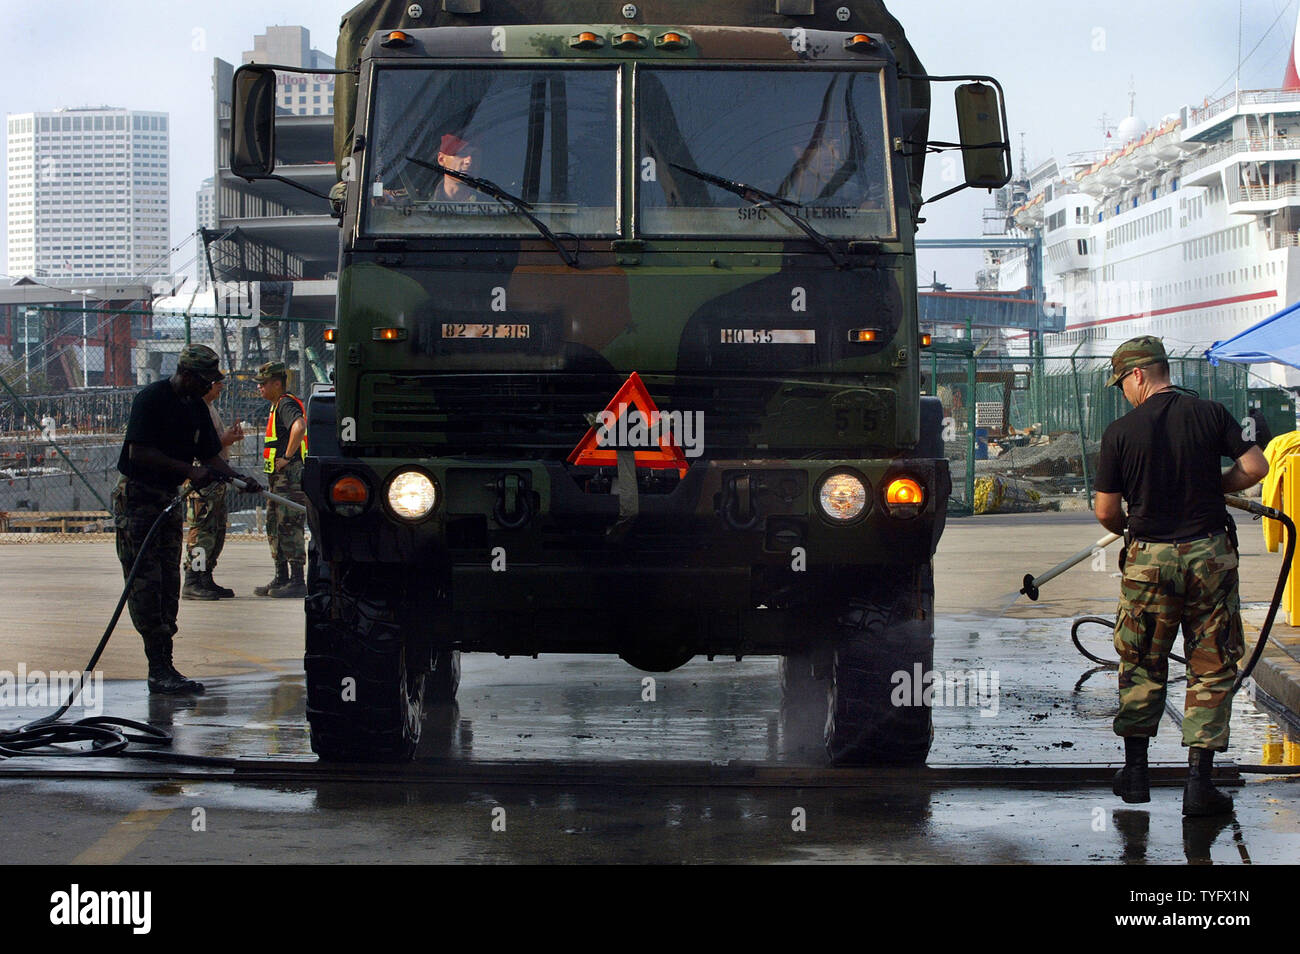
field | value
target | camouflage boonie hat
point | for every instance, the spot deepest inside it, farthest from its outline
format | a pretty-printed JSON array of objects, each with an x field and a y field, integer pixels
[
  {"x": 1135, "y": 353},
  {"x": 202, "y": 360},
  {"x": 270, "y": 370}
]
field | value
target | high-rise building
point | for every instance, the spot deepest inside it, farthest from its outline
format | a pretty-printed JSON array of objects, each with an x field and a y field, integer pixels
[
  {"x": 87, "y": 195},
  {"x": 205, "y": 217},
  {"x": 300, "y": 94}
]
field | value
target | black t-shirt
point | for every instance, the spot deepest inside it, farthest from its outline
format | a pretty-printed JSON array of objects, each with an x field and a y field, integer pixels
[
  {"x": 1164, "y": 457},
  {"x": 179, "y": 427},
  {"x": 287, "y": 411}
]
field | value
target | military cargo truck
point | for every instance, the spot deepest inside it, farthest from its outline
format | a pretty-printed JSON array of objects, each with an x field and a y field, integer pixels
[{"x": 627, "y": 353}]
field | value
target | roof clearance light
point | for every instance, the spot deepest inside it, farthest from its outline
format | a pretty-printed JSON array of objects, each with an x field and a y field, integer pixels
[
  {"x": 672, "y": 41},
  {"x": 587, "y": 41},
  {"x": 388, "y": 334},
  {"x": 860, "y": 42},
  {"x": 842, "y": 497},
  {"x": 864, "y": 335},
  {"x": 349, "y": 496},
  {"x": 397, "y": 38},
  {"x": 630, "y": 41},
  {"x": 904, "y": 492}
]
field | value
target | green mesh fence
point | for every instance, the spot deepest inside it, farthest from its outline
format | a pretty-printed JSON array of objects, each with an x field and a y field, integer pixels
[
  {"x": 1033, "y": 425},
  {"x": 59, "y": 450}
]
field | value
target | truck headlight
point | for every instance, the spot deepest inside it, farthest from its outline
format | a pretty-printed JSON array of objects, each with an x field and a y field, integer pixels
[
  {"x": 412, "y": 495},
  {"x": 843, "y": 496}
]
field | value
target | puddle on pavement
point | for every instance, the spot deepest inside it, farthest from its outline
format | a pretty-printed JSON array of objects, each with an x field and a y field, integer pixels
[{"x": 1010, "y": 692}]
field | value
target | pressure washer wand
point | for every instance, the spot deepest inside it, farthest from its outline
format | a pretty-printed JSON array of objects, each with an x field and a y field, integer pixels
[
  {"x": 285, "y": 501},
  {"x": 291, "y": 504},
  {"x": 1032, "y": 583}
]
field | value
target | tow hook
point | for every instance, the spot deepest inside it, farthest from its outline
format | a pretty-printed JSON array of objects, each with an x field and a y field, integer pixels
[
  {"x": 739, "y": 511},
  {"x": 514, "y": 505}
]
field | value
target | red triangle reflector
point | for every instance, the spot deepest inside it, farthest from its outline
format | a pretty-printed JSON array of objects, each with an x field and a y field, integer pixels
[{"x": 633, "y": 394}]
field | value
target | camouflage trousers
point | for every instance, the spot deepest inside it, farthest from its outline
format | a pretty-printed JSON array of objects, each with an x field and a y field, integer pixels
[
  {"x": 1166, "y": 585},
  {"x": 284, "y": 527},
  {"x": 155, "y": 595},
  {"x": 205, "y": 516}
]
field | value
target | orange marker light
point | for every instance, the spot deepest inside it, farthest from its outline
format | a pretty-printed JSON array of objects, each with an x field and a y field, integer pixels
[
  {"x": 397, "y": 38},
  {"x": 632, "y": 41},
  {"x": 904, "y": 491},
  {"x": 587, "y": 41},
  {"x": 388, "y": 334},
  {"x": 864, "y": 335},
  {"x": 672, "y": 41},
  {"x": 349, "y": 490},
  {"x": 330, "y": 334},
  {"x": 926, "y": 340},
  {"x": 859, "y": 41}
]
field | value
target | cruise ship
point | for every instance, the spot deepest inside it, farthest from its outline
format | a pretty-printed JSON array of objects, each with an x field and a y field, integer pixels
[{"x": 1188, "y": 230}]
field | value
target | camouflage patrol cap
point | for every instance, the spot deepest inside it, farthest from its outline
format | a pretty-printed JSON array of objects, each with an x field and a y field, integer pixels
[
  {"x": 1135, "y": 353},
  {"x": 202, "y": 360},
  {"x": 272, "y": 369}
]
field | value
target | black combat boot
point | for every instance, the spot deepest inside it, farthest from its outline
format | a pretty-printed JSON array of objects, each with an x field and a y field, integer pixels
[
  {"x": 194, "y": 588},
  {"x": 1133, "y": 782},
  {"x": 163, "y": 676},
  {"x": 281, "y": 578},
  {"x": 295, "y": 588},
  {"x": 223, "y": 592},
  {"x": 1200, "y": 797}
]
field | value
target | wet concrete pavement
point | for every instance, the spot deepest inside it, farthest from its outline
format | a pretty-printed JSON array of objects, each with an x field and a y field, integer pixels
[{"x": 566, "y": 755}]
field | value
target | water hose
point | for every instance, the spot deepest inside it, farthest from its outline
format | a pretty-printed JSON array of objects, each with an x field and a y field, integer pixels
[{"x": 107, "y": 735}]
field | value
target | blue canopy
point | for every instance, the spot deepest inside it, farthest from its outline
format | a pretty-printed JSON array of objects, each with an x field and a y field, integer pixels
[{"x": 1276, "y": 338}]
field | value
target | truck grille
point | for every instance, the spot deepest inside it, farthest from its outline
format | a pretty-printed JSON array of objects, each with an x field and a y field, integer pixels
[{"x": 545, "y": 415}]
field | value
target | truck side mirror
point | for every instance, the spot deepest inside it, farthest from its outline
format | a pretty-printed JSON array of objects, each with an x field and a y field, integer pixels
[
  {"x": 985, "y": 149},
  {"x": 252, "y": 123}
]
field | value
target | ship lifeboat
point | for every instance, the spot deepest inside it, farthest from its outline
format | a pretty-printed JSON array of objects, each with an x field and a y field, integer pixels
[{"x": 1090, "y": 185}]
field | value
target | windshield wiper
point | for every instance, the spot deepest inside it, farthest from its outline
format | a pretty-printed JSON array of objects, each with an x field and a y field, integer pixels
[
  {"x": 762, "y": 199},
  {"x": 489, "y": 187}
]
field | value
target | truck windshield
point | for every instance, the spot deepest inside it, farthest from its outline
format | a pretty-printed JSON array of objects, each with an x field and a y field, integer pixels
[
  {"x": 815, "y": 138},
  {"x": 547, "y": 136}
]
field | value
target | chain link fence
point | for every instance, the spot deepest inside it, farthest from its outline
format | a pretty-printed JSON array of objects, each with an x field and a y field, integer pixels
[
  {"x": 59, "y": 451},
  {"x": 1023, "y": 433}
]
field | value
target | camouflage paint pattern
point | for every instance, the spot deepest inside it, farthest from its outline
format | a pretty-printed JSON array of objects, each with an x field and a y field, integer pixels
[
  {"x": 468, "y": 412},
  {"x": 284, "y": 527},
  {"x": 154, "y": 597},
  {"x": 1167, "y": 585},
  {"x": 205, "y": 519}
]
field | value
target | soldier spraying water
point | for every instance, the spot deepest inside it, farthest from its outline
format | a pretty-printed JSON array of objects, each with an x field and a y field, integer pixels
[{"x": 1179, "y": 565}]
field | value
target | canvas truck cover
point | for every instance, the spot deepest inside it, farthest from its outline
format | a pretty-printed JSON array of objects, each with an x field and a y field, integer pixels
[{"x": 865, "y": 16}]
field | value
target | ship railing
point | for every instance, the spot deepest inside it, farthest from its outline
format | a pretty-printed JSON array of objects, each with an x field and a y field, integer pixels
[
  {"x": 1224, "y": 150},
  {"x": 1285, "y": 240},
  {"x": 1262, "y": 193},
  {"x": 1245, "y": 97}
]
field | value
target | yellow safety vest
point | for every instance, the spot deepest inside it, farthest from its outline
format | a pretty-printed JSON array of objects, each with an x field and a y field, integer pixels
[{"x": 272, "y": 445}]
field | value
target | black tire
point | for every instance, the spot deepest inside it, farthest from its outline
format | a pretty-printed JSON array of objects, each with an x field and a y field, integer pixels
[
  {"x": 890, "y": 631},
  {"x": 805, "y": 682},
  {"x": 364, "y": 690},
  {"x": 440, "y": 685}
]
